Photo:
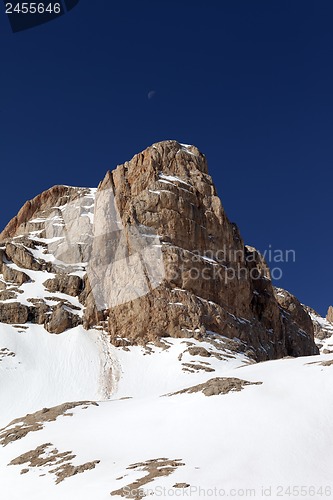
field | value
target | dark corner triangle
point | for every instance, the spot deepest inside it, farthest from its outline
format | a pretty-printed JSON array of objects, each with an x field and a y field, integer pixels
[{"x": 70, "y": 4}]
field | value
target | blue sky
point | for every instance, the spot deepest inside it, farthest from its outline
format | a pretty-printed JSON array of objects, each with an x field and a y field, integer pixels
[{"x": 248, "y": 82}]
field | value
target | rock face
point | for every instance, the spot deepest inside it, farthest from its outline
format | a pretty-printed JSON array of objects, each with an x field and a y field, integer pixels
[
  {"x": 329, "y": 315},
  {"x": 323, "y": 329},
  {"x": 13, "y": 312},
  {"x": 34, "y": 286},
  {"x": 151, "y": 254},
  {"x": 297, "y": 321}
]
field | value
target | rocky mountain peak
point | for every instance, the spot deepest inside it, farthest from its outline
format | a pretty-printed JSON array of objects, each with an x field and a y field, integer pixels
[{"x": 150, "y": 254}]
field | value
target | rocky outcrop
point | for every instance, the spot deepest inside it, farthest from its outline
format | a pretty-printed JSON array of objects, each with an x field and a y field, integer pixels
[
  {"x": 329, "y": 315},
  {"x": 323, "y": 329},
  {"x": 20, "y": 256},
  {"x": 152, "y": 254},
  {"x": 12, "y": 275},
  {"x": 39, "y": 312},
  {"x": 29, "y": 264},
  {"x": 212, "y": 282},
  {"x": 13, "y": 313},
  {"x": 65, "y": 283},
  {"x": 217, "y": 386},
  {"x": 56, "y": 196},
  {"x": 299, "y": 329},
  {"x": 61, "y": 320}
]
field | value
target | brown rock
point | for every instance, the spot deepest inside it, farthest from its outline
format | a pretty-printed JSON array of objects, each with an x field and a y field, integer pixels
[
  {"x": 60, "y": 320},
  {"x": 199, "y": 351},
  {"x": 33, "y": 422},
  {"x": 38, "y": 312},
  {"x": 14, "y": 276},
  {"x": 65, "y": 283},
  {"x": 323, "y": 329},
  {"x": 13, "y": 313},
  {"x": 151, "y": 469},
  {"x": 53, "y": 197},
  {"x": 61, "y": 464},
  {"x": 22, "y": 257},
  {"x": 211, "y": 283},
  {"x": 7, "y": 295},
  {"x": 217, "y": 386},
  {"x": 329, "y": 316},
  {"x": 299, "y": 330}
]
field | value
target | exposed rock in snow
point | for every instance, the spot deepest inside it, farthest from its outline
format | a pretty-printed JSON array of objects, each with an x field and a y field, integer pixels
[
  {"x": 217, "y": 386},
  {"x": 329, "y": 315}
]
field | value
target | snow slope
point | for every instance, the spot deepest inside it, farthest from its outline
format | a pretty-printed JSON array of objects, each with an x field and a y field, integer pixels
[
  {"x": 274, "y": 435},
  {"x": 38, "y": 369}
]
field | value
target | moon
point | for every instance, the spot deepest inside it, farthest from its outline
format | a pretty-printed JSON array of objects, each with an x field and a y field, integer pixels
[{"x": 151, "y": 94}]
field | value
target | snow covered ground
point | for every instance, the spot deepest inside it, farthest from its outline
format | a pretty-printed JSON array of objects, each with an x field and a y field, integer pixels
[
  {"x": 38, "y": 369},
  {"x": 275, "y": 435}
]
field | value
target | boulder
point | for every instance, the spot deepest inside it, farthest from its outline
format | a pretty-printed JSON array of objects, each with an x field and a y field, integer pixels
[{"x": 13, "y": 313}]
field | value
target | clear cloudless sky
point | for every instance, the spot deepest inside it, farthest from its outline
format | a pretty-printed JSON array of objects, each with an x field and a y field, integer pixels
[{"x": 249, "y": 82}]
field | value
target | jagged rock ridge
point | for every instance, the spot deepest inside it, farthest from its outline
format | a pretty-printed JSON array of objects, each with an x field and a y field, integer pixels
[
  {"x": 329, "y": 316},
  {"x": 150, "y": 254}
]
